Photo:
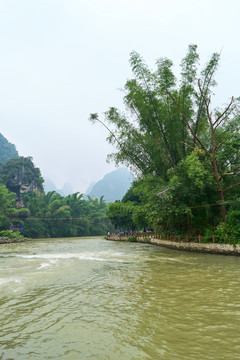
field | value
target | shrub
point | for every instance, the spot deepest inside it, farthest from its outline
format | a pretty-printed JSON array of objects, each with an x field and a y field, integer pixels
[
  {"x": 11, "y": 234},
  {"x": 133, "y": 238}
]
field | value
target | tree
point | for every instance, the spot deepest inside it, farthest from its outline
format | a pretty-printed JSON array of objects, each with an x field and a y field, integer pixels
[
  {"x": 8, "y": 213},
  {"x": 58, "y": 216},
  {"x": 151, "y": 136},
  {"x": 78, "y": 210},
  {"x": 97, "y": 216},
  {"x": 166, "y": 120},
  {"x": 221, "y": 127},
  {"x": 121, "y": 215}
]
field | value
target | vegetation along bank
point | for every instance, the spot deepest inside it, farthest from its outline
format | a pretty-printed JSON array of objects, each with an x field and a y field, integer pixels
[{"x": 184, "y": 151}]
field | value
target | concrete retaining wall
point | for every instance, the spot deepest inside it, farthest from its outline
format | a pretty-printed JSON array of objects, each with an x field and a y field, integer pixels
[{"x": 220, "y": 249}]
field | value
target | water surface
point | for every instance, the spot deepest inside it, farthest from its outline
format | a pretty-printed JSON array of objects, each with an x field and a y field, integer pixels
[{"x": 97, "y": 299}]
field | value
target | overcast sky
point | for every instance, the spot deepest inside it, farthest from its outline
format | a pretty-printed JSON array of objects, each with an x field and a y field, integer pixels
[{"x": 61, "y": 60}]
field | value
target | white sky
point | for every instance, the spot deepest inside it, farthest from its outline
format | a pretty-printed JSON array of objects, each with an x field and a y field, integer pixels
[{"x": 61, "y": 60}]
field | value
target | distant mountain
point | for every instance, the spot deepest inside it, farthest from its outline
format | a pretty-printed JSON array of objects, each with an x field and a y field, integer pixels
[
  {"x": 67, "y": 189},
  {"x": 90, "y": 187},
  {"x": 7, "y": 150},
  {"x": 50, "y": 186},
  {"x": 113, "y": 186}
]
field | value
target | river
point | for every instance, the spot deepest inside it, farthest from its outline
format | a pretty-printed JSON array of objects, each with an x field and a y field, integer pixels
[{"x": 90, "y": 298}]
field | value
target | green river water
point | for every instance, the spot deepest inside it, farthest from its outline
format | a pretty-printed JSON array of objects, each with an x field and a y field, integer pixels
[{"x": 96, "y": 299}]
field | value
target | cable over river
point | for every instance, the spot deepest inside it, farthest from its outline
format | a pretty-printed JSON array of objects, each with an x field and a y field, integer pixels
[{"x": 95, "y": 299}]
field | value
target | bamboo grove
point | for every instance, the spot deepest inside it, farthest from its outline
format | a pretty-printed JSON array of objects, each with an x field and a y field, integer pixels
[{"x": 184, "y": 152}]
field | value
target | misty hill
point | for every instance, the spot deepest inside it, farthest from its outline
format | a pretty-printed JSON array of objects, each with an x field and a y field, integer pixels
[
  {"x": 7, "y": 150},
  {"x": 90, "y": 187},
  {"x": 20, "y": 175},
  {"x": 50, "y": 186},
  {"x": 113, "y": 186}
]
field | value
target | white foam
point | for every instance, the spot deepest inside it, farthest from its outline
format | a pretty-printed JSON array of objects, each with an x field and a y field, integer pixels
[
  {"x": 90, "y": 258},
  {"x": 108, "y": 255},
  {"x": 172, "y": 259},
  {"x": 81, "y": 256},
  {"x": 53, "y": 261},
  {"x": 4, "y": 281},
  {"x": 43, "y": 265}
]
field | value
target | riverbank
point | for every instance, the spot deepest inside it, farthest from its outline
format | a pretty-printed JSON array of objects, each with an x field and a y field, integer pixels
[
  {"x": 6, "y": 240},
  {"x": 219, "y": 249}
]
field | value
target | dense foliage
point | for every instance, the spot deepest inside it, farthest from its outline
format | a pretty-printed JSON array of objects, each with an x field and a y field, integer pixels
[
  {"x": 43, "y": 215},
  {"x": 9, "y": 215},
  {"x": 53, "y": 215},
  {"x": 186, "y": 155}
]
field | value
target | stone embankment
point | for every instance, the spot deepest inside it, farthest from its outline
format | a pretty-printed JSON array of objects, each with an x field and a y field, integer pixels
[
  {"x": 220, "y": 249},
  {"x": 6, "y": 240}
]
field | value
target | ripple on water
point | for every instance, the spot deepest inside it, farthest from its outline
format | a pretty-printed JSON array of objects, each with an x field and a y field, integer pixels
[{"x": 92, "y": 299}]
